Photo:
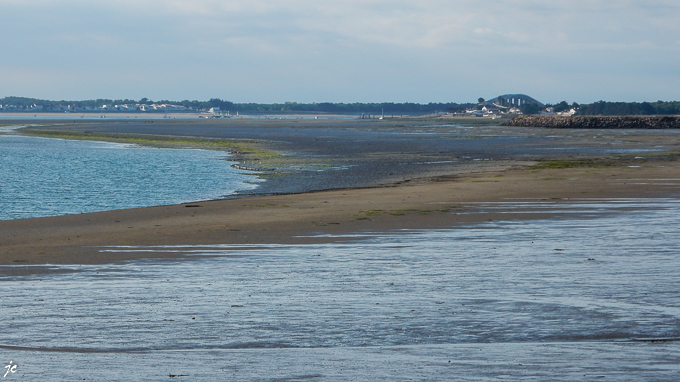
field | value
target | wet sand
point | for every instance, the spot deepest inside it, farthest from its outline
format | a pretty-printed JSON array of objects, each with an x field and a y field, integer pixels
[
  {"x": 395, "y": 189},
  {"x": 423, "y": 203}
]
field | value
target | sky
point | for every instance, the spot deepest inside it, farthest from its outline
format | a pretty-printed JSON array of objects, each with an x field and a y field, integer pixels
[{"x": 270, "y": 51}]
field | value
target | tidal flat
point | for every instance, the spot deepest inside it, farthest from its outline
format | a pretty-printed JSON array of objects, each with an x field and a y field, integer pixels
[
  {"x": 301, "y": 155},
  {"x": 375, "y": 250},
  {"x": 583, "y": 294}
]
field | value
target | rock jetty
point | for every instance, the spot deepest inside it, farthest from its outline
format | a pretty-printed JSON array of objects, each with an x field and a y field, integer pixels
[{"x": 596, "y": 122}]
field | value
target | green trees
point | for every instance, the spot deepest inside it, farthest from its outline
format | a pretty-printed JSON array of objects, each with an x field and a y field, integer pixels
[
  {"x": 253, "y": 108},
  {"x": 597, "y": 108},
  {"x": 630, "y": 108},
  {"x": 530, "y": 108},
  {"x": 562, "y": 106}
]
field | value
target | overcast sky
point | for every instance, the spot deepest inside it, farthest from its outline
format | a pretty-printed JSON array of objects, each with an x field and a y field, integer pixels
[{"x": 341, "y": 51}]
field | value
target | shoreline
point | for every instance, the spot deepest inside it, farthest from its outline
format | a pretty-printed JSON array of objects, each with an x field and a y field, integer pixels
[
  {"x": 317, "y": 217},
  {"x": 427, "y": 190},
  {"x": 287, "y": 168}
]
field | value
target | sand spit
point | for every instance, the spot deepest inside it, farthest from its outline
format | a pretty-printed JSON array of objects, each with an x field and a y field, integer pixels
[
  {"x": 295, "y": 218},
  {"x": 383, "y": 176}
]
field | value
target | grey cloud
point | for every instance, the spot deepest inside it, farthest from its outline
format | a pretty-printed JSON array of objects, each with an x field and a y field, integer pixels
[{"x": 344, "y": 50}]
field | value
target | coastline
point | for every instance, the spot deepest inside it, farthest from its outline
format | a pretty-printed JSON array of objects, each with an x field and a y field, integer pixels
[
  {"x": 442, "y": 197},
  {"x": 427, "y": 203},
  {"x": 313, "y": 155}
]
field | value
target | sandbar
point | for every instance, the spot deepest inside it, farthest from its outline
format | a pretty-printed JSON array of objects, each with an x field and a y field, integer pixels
[{"x": 430, "y": 199}]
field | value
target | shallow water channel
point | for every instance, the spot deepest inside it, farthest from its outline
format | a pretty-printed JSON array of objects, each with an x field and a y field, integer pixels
[
  {"x": 50, "y": 177},
  {"x": 593, "y": 293}
]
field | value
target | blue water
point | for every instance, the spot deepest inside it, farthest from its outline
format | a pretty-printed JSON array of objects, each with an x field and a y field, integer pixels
[
  {"x": 591, "y": 294},
  {"x": 47, "y": 177}
]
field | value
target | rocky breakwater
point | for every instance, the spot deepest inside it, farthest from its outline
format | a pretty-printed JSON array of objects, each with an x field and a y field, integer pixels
[{"x": 596, "y": 122}]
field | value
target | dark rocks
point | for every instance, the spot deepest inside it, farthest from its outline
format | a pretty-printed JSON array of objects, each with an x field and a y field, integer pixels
[
  {"x": 596, "y": 122},
  {"x": 249, "y": 168}
]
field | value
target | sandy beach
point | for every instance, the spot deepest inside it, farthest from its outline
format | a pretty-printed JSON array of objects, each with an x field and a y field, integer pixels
[{"x": 409, "y": 198}]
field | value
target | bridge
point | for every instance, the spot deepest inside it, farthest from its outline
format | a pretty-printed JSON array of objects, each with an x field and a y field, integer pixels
[{"x": 513, "y": 100}]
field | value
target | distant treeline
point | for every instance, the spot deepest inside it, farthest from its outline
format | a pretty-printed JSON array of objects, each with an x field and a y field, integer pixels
[
  {"x": 630, "y": 108},
  {"x": 29, "y": 103},
  {"x": 341, "y": 108},
  {"x": 597, "y": 108},
  {"x": 24, "y": 103}
]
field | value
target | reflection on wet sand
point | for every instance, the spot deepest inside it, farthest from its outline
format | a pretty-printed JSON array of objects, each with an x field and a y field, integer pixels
[{"x": 573, "y": 297}]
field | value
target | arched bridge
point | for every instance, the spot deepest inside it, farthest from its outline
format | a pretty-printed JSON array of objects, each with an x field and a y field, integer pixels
[{"x": 510, "y": 100}]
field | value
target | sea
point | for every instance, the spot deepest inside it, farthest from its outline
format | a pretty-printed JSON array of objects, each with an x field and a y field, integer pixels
[
  {"x": 590, "y": 293},
  {"x": 48, "y": 177}
]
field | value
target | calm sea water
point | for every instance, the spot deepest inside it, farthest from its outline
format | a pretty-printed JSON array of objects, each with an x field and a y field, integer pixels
[
  {"x": 592, "y": 294},
  {"x": 46, "y": 177}
]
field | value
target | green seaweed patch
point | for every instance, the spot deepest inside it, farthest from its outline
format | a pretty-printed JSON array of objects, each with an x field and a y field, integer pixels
[
  {"x": 401, "y": 212},
  {"x": 555, "y": 164},
  {"x": 448, "y": 209},
  {"x": 322, "y": 224},
  {"x": 581, "y": 163},
  {"x": 659, "y": 156},
  {"x": 372, "y": 212},
  {"x": 234, "y": 147},
  {"x": 610, "y": 161}
]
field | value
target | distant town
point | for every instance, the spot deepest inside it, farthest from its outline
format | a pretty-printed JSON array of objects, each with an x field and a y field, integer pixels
[
  {"x": 503, "y": 106},
  {"x": 126, "y": 108}
]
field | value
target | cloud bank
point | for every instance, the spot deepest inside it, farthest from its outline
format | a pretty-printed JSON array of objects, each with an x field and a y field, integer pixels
[{"x": 355, "y": 50}]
